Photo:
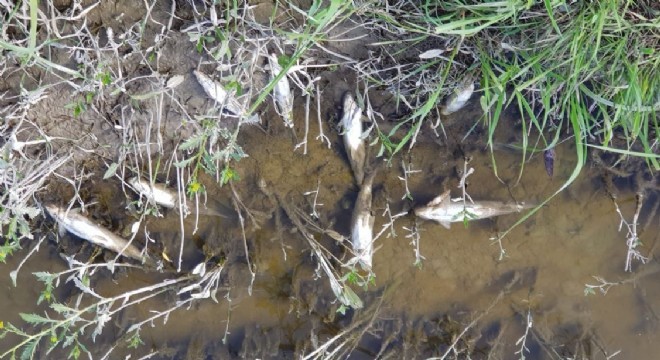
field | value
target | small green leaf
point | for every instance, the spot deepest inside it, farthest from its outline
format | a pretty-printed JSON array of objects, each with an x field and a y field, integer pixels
[
  {"x": 75, "y": 353},
  {"x": 283, "y": 60},
  {"x": 236, "y": 86},
  {"x": 219, "y": 34},
  {"x": 342, "y": 309},
  {"x": 29, "y": 349},
  {"x": 228, "y": 174},
  {"x": 105, "y": 78},
  {"x": 135, "y": 341},
  {"x": 589, "y": 291},
  {"x": 112, "y": 169},
  {"x": 191, "y": 143},
  {"x": 184, "y": 163},
  {"x": 34, "y": 319}
]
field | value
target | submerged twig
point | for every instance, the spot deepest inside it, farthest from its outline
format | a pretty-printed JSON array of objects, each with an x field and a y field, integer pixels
[{"x": 237, "y": 206}]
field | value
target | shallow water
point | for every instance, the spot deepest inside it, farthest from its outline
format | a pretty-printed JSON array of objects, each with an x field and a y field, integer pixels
[
  {"x": 549, "y": 259},
  {"x": 411, "y": 311}
]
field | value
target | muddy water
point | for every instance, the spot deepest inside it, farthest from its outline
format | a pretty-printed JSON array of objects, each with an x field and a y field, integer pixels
[
  {"x": 413, "y": 311},
  {"x": 420, "y": 309}
]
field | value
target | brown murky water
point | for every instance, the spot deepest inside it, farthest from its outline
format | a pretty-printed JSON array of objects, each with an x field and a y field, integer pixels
[
  {"x": 412, "y": 311},
  {"x": 549, "y": 259}
]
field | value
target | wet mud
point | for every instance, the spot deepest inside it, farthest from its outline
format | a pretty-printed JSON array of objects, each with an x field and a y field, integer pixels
[{"x": 463, "y": 297}]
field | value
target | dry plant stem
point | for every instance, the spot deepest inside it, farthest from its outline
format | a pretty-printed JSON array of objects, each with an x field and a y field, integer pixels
[
  {"x": 632, "y": 239},
  {"x": 307, "y": 92},
  {"x": 463, "y": 182},
  {"x": 182, "y": 204},
  {"x": 415, "y": 240},
  {"x": 321, "y": 135},
  {"x": 129, "y": 243},
  {"x": 14, "y": 273},
  {"x": 498, "y": 241},
  {"x": 313, "y": 225},
  {"x": 76, "y": 314},
  {"x": 522, "y": 341},
  {"x": 604, "y": 286},
  {"x": 76, "y": 183},
  {"x": 237, "y": 201},
  {"x": 314, "y": 213},
  {"x": 304, "y": 142},
  {"x": 322, "y": 351},
  {"x": 540, "y": 337},
  {"x": 300, "y": 216},
  {"x": 407, "y": 171},
  {"x": 224, "y": 338},
  {"x": 210, "y": 280},
  {"x": 452, "y": 347},
  {"x": 390, "y": 223},
  {"x": 341, "y": 291}
]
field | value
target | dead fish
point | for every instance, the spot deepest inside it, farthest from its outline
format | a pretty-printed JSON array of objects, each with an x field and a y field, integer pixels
[
  {"x": 158, "y": 193},
  {"x": 163, "y": 196},
  {"x": 444, "y": 211},
  {"x": 459, "y": 98},
  {"x": 281, "y": 92},
  {"x": 218, "y": 93},
  {"x": 351, "y": 124},
  {"x": 362, "y": 224},
  {"x": 82, "y": 227},
  {"x": 549, "y": 159}
]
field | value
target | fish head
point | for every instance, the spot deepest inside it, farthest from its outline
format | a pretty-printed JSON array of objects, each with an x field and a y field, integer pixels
[
  {"x": 53, "y": 210},
  {"x": 351, "y": 112},
  {"x": 441, "y": 201},
  {"x": 135, "y": 183},
  {"x": 466, "y": 88},
  {"x": 348, "y": 103},
  {"x": 436, "y": 210},
  {"x": 274, "y": 64}
]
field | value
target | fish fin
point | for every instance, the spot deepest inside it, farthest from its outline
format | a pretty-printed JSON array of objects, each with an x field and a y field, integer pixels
[
  {"x": 61, "y": 230},
  {"x": 446, "y": 224},
  {"x": 440, "y": 199}
]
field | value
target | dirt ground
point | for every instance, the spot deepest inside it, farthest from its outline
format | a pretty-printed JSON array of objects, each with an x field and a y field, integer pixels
[{"x": 411, "y": 311}]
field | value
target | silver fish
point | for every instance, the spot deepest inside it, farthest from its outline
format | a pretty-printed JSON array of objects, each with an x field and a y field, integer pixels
[
  {"x": 351, "y": 124},
  {"x": 163, "y": 196},
  {"x": 362, "y": 224},
  {"x": 158, "y": 193},
  {"x": 281, "y": 92},
  {"x": 82, "y": 227},
  {"x": 459, "y": 98},
  {"x": 444, "y": 211},
  {"x": 218, "y": 93}
]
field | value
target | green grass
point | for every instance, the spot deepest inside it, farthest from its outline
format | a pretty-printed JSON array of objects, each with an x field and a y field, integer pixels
[
  {"x": 586, "y": 71},
  {"x": 594, "y": 64},
  {"x": 583, "y": 70},
  {"x": 593, "y": 75}
]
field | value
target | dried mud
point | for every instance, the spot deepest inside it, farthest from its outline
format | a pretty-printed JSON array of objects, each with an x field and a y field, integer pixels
[{"x": 411, "y": 312}]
